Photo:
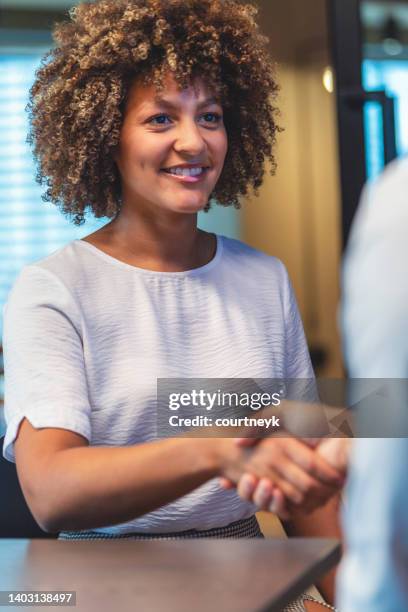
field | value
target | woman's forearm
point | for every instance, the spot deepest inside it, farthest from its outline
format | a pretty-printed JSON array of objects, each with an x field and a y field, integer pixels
[{"x": 90, "y": 487}]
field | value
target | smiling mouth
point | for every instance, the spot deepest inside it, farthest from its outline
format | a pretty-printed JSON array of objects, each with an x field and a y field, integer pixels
[
  {"x": 193, "y": 171},
  {"x": 190, "y": 175}
]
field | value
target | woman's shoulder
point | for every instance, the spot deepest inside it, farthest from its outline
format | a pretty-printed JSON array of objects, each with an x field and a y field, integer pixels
[
  {"x": 62, "y": 269},
  {"x": 241, "y": 254}
]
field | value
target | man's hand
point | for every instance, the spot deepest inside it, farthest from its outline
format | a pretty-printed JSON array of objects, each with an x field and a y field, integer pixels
[{"x": 336, "y": 451}]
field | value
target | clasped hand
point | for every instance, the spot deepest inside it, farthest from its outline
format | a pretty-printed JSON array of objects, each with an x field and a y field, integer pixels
[{"x": 285, "y": 475}]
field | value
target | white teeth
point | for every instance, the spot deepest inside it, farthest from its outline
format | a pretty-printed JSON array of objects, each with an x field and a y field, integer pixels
[{"x": 186, "y": 171}]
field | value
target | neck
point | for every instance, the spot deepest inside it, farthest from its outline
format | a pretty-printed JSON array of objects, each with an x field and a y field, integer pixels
[{"x": 170, "y": 242}]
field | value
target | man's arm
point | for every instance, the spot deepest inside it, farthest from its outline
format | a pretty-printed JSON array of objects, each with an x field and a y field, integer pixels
[{"x": 324, "y": 522}]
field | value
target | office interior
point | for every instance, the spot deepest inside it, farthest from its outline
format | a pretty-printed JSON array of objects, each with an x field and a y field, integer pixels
[{"x": 298, "y": 215}]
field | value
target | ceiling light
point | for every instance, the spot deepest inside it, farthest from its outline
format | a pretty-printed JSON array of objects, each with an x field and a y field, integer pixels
[{"x": 328, "y": 79}]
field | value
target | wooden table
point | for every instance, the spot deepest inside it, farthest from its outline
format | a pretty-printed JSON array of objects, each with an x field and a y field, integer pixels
[{"x": 174, "y": 576}]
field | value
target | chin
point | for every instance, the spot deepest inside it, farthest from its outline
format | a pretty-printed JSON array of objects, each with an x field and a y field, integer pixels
[{"x": 190, "y": 207}]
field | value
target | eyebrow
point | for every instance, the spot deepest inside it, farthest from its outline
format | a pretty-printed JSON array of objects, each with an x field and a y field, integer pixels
[{"x": 169, "y": 104}]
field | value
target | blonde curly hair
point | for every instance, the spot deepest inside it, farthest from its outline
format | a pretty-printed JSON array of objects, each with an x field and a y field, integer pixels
[{"x": 78, "y": 100}]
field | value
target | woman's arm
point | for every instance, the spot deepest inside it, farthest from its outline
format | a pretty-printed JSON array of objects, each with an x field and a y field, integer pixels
[{"x": 70, "y": 485}]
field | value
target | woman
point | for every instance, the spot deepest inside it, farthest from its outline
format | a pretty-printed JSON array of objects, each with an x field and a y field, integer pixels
[{"x": 147, "y": 112}]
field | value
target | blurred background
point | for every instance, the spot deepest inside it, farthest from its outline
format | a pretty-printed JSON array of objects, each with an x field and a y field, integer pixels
[{"x": 343, "y": 69}]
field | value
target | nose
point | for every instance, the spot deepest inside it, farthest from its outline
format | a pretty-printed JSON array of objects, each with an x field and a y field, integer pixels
[{"x": 189, "y": 139}]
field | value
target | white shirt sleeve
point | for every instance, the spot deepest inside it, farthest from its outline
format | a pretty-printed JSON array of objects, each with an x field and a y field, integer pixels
[
  {"x": 45, "y": 379},
  {"x": 300, "y": 383},
  {"x": 372, "y": 575},
  {"x": 297, "y": 358},
  {"x": 375, "y": 285}
]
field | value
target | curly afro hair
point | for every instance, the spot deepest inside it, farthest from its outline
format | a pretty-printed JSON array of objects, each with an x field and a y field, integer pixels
[{"x": 77, "y": 102}]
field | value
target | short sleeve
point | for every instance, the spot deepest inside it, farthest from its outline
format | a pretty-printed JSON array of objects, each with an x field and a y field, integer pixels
[
  {"x": 300, "y": 383},
  {"x": 297, "y": 357},
  {"x": 45, "y": 378}
]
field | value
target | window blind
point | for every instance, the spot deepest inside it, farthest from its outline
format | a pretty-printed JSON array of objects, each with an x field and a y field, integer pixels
[{"x": 30, "y": 229}]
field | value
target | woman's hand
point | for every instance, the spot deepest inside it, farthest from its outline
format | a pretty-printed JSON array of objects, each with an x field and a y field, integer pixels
[
  {"x": 263, "y": 494},
  {"x": 284, "y": 470}
]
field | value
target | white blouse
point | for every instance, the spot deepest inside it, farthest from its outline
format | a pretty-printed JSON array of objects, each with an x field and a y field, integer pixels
[{"x": 86, "y": 336}]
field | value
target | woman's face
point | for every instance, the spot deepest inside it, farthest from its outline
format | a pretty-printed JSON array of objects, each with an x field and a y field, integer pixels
[{"x": 178, "y": 130}]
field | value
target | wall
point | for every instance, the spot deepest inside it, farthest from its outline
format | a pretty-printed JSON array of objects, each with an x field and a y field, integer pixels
[{"x": 297, "y": 214}]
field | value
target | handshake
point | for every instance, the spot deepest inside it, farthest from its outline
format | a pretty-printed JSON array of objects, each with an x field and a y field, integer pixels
[{"x": 286, "y": 474}]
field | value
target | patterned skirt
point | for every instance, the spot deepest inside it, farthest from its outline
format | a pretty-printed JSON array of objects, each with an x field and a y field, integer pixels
[{"x": 245, "y": 528}]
